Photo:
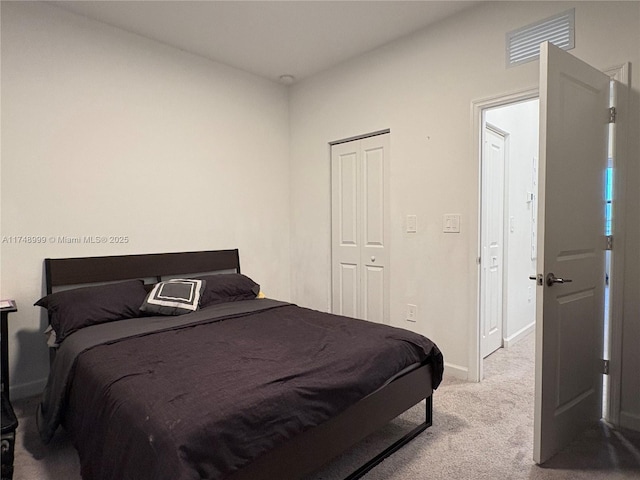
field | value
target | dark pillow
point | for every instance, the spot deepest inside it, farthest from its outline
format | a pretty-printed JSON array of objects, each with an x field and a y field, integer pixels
[
  {"x": 228, "y": 287},
  {"x": 71, "y": 310},
  {"x": 174, "y": 297}
]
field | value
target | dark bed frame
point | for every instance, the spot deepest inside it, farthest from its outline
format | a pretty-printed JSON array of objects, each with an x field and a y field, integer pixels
[{"x": 309, "y": 451}]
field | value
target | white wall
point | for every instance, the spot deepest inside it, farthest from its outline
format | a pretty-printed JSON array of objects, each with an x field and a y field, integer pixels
[
  {"x": 520, "y": 120},
  {"x": 107, "y": 133},
  {"x": 422, "y": 88}
]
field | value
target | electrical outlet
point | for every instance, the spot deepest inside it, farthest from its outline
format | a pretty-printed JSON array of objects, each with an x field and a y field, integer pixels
[{"x": 412, "y": 312}]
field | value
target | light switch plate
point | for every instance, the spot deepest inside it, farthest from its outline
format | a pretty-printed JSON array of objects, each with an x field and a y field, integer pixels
[
  {"x": 451, "y": 223},
  {"x": 412, "y": 223}
]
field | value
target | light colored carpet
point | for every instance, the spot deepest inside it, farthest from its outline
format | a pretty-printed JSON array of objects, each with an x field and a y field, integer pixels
[{"x": 480, "y": 431}]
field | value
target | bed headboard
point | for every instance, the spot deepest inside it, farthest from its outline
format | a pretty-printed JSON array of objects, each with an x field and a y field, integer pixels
[{"x": 82, "y": 270}]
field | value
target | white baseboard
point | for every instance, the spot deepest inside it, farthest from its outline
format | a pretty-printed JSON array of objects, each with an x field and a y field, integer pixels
[
  {"x": 630, "y": 421},
  {"x": 456, "y": 371},
  {"x": 25, "y": 390},
  {"x": 519, "y": 335}
]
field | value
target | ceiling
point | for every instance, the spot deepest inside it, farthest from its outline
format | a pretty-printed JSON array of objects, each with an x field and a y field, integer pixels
[{"x": 271, "y": 38}]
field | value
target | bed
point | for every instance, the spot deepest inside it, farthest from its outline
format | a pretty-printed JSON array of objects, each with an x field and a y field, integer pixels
[{"x": 239, "y": 388}]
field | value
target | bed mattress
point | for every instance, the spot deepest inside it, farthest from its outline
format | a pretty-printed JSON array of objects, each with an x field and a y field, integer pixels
[{"x": 204, "y": 394}]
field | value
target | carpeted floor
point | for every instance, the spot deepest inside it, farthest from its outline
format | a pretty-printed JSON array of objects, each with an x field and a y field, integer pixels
[{"x": 480, "y": 431}]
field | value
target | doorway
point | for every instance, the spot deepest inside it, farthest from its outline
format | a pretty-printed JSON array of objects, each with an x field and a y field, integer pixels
[
  {"x": 569, "y": 306},
  {"x": 496, "y": 111},
  {"x": 509, "y": 157}
]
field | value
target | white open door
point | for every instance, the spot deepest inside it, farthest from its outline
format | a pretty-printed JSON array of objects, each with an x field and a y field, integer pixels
[
  {"x": 571, "y": 244},
  {"x": 491, "y": 301}
]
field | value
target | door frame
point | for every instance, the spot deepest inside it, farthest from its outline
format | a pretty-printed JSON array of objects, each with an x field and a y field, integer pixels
[
  {"x": 620, "y": 73},
  {"x": 475, "y": 372}
]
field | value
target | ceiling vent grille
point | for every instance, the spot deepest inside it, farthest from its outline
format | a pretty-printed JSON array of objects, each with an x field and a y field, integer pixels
[{"x": 523, "y": 44}]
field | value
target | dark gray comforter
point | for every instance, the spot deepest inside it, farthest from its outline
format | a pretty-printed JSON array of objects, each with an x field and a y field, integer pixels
[{"x": 201, "y": 395}]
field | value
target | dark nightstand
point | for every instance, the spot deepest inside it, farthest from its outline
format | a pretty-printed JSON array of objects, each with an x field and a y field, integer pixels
[{"x": 9, "y": 420}]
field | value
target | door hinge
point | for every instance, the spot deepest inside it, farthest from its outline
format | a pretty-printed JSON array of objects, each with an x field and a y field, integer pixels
[
  {"x": 605, "y": 367},
  {"x": 612, "y": 115},
  {"x": 609, "y": 242}
]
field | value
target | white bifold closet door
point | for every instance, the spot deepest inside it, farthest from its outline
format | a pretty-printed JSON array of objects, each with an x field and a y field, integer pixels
[{"x": 360, "y": 228}]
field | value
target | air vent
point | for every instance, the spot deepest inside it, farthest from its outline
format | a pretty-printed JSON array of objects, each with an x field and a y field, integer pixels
[{"x": 523, "y": 44}]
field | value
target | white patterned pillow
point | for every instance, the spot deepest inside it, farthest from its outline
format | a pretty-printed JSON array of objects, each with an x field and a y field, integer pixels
[{"x": 174, "y": 297}]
